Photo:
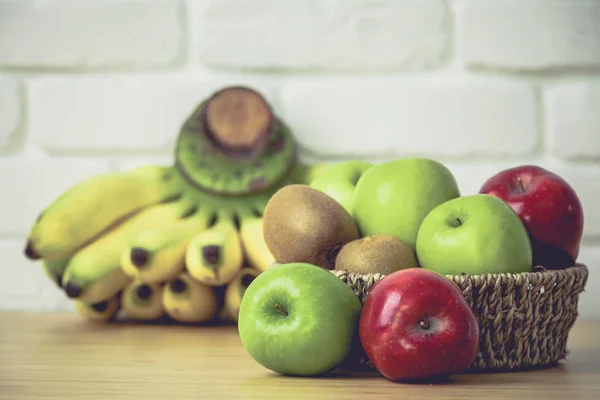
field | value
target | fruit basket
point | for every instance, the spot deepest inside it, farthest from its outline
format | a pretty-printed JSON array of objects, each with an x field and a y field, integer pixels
[{"x": 524, "y": 318}]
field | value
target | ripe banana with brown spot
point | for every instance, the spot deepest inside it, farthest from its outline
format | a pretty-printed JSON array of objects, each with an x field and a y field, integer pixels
[
  {"x": 142, "y": 302},
  {"x": 189, "y": 301},
  {"x": 215, "y": 255},
  {"x": 104, "y": 311},
  {"x": 158, "y": 255},
  {"x": 235, "y": 291}
]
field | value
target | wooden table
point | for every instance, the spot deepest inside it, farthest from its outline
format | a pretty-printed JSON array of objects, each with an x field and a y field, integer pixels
[{"x": 60, "y": 356}]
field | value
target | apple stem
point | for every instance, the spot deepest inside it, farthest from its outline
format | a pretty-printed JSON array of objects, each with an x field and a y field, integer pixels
[
  {"x": 281, "y": 310},
  {"x": 458, "y": 220},
  {"x": 520, "y": 185},
  {"x": 424, "y": 324}
]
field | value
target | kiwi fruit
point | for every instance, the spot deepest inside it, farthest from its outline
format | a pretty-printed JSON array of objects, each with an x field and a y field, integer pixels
[
  {"x": 232, "y": 144},
  {"x": 382, "y": 254},
  {"x": 302, "y": 224}
]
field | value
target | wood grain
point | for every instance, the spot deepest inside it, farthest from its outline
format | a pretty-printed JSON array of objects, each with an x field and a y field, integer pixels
[{"x": 60, "y": 356}]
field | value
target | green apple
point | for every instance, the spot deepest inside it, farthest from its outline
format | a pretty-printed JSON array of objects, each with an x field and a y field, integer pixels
[
  {"x": 474, "y": 234},
  {"x": 339, "y": 181},
  {"x": 298, "y": 319},
  {"x": 304, "y": 174},
  {"x": 394, "y": 197}
]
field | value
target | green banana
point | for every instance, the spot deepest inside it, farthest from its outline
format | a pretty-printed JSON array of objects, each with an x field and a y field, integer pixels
[
  {"x": 94, "y": 273},
  {"x": 92, "y": 206}
]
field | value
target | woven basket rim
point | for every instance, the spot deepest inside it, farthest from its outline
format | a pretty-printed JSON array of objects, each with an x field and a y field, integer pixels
[{"x": 539, "y": 273}]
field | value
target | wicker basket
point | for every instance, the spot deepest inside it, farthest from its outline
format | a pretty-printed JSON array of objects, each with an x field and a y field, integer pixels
[{"x": 524, "y": 319}]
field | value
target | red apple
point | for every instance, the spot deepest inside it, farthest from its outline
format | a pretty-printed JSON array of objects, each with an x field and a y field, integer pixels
[
  {"x": 549, "y": 209},
  {"x": 416, "y": 325}
]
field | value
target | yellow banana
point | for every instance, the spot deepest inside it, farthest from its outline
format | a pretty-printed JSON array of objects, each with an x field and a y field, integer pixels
[
  {"x": 255, "y": 248},
  {"x": 91, "y": 207},
  {"x": 104, "y": 311},
  {"x": 215, "y": 255},
  {"x": 55, "y": 270},
  {"x": 223, "y": 315},
  {"x": 158, "y": 254},
  {"x": 142, "y": 302},
  {"x": 221, "y": 311},
  {"x": 94, "y": 273},
  {"x": 187, "y": 300},
  {"x": 236, "y": 289}
]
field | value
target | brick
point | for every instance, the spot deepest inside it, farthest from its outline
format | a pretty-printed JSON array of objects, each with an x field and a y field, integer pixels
[
  {"x": 418, "y": 116},
  {"x": 90, "y": 34},
  {"x": 573, "y": 119},
  {"x": 129, "y": 163},
  {"x": 33, "y": 183},
  {"x": 589, "y": 302},
  {"x": 10, "y": 109},
  {"x": 531, "y": 35},
  {"x": 117, "y": 113},
  {"x": 337, "y": 34}
]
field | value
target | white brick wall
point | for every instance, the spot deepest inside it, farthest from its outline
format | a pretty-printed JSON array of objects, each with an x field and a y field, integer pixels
[
  {"x": 139, "y": 113},
  {"x": 333, "y": 34},
  {"x": 92, "y": 86},
  {"x": 573, "y": 119},
  {"x": 10, "y": 108},
  {"x": 90, "y": 34},
  {"x": 531, "y": 35},
  {"x": 438, "y": 117}
]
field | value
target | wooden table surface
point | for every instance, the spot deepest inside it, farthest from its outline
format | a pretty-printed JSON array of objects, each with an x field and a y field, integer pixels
[{"x": 60, "y": 356}]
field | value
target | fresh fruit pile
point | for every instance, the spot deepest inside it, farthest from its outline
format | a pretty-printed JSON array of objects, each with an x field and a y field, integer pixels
[
  {"x": 406, "y": 221},
  {"x": 176, "y": 242}
]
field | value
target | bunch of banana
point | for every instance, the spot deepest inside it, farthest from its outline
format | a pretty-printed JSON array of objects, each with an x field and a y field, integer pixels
[{"x": 179, "y": 242}]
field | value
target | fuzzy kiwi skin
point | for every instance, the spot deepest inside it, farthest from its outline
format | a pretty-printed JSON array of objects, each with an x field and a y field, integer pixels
[
  {"x": 381, "y": 254},
  {"x": 302, "y": 224}
]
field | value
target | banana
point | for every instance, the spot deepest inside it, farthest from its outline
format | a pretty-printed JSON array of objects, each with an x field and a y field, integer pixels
[
  {"x": 105, "y": 311},
  {"x": 94, "y": 273},
  {"x": 187, "y": 300},
  {"x": 55, "y": 270},
  {"x": 92, "y": 206},
  {"x": 158, "y": 254},
  {"x": 215, "y": 255},
  {"x": 235, "y": 291},
  {"x": 222, "y": 315},
  {"x": 142, "y": 302},
  {"x": 254, "y": 245}
]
